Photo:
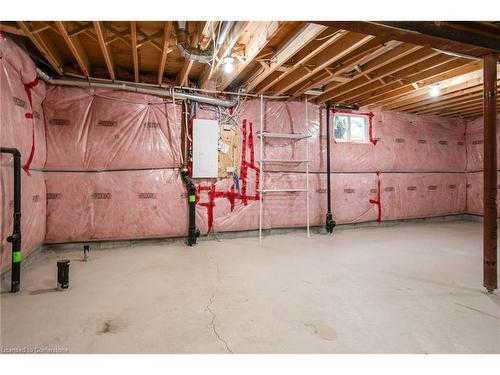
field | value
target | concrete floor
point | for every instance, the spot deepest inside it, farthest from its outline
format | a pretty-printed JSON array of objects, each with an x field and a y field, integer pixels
[{"x": 412, "y": 288}]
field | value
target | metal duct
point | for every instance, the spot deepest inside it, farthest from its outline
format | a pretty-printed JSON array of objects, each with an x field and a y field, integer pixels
[
  {"x": 188, "y": 52},
  {"x": 226, "y": 25},
  {"x": 166, "y": 93}
]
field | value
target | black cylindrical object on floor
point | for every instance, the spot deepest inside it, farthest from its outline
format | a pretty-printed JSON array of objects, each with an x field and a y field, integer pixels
[
  {"x": 15, "y": 238},
  {"x": 63, "y": 274}
]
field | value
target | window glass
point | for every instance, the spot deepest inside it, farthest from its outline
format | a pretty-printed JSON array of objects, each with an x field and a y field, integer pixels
[
  {"x": 351, "y": 128},
  {"x": 358, "y": 128},
  {"x": 341, "y": 127}
]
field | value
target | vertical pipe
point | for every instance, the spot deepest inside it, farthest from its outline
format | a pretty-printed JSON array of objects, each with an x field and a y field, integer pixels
[
  {"x": 193, "y": 232},
  {"x": 490, "y": 174},
  {"x": 330, "y": 224},
  {"x": 261, "y": 153},
  {"x": 15, "y": 238},
  {"x": 307, "y": 170}
]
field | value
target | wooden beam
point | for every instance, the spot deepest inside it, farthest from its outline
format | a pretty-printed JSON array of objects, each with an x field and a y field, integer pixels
[
  {"x": 340, "y": 48},
  {"x": 106, "y": 51},
  {"x": 299, "y": 40},
  {"x": 183, "y": 75},
  {"x": 260, "y": 40},
  {"x": 232, "y": 37},
  {"x": 45, "y": 46},
  {"x": 150, "y": 39},
  {"x": 75, "y": 46},
  {"x": 403, "y": 78},
  {"x": 390, "y": 94},
  {"x": 394, "y": 33},
  {"x": 368, "y": 51},
  {"x": 376, "y": 69},
  {"x": 446, "y": 101},
  {"x": 448, "y": 86},
  {"x": 429, "y": 70},
  {"x": 11, "y": 29},
  {"x": 490, "y": 173},
  {"x": 325, "y": 39},
  {"x": 80, "y": 29},
  {"x": 463, "y": 106},
  {"x": 135, "y": 55}
]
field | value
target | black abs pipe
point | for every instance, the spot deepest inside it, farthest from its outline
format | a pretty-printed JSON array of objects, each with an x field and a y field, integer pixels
[
  {"x": 194, "y": 232},
  {"x": 15, "y": 238},
  {"x": 330, "y": 223}
]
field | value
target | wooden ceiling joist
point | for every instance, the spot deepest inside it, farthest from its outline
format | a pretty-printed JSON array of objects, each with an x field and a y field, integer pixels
[
  {"x": 370, "y": 64},
  {"x": 262, "y": 38},
  {"x": 304, "y": 36},
  {"x": 105, "y": 49},
  {"x": 384, "y": 59},
  {"x": 11, "y": 29},
  {"x": 400, "y": 78},
  {"x": 375, "y": 71},
  {"x": 410, "y": 36},
  {"x": 236, "y": 31},
  {"x": 75, "y": 46},
  {"x": 316, "y": 46},
  {"x": 167, "y": 31},
  {"x": 351, "y": 62},
  {"x": 450, "y": 86},
  {"x": 45, "y": 46},
  {"x": 445, "y": 72},
  {"x": 427, "y": 74},
  {"x": 80, "y": 29},
  {"x": 343, "y": 46},
  {"x": 135, "y": 53},
  {"x": 182, "y": 78}
]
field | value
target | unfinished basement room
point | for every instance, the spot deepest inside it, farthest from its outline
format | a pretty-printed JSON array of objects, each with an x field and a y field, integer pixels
[{"x": 249, "y": 187}]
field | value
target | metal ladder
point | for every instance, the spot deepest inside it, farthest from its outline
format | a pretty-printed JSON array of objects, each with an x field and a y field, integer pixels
[{"x": 295, "y": 136}]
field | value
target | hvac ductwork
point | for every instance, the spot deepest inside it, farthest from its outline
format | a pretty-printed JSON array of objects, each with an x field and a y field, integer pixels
[
  {"x": 166, "y": 93},
  {"x": 188, "y": 52}
]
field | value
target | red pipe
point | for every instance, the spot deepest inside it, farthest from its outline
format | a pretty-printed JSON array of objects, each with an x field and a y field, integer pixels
[{"x": 490, "y": 174}]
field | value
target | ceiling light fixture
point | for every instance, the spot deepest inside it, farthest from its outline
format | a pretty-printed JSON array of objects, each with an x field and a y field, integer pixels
[
  {"x": 227, "y": 64},
  {"x": 435, "y": 91}
]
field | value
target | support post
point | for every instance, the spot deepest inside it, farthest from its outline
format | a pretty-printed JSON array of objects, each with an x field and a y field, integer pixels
[
  {"x": 261, "y": 164},
  {"x": 307, "y": 168},
  {"x": 330, "y": 223},
  {"x": 490, "y": 174}
]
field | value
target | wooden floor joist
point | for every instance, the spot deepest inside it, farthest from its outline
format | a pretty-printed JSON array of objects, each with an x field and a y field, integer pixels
[
  {"x": 105, "y": 49},
  {"x": 334, "y": 62},
  {"x": 75, "y": 46}
]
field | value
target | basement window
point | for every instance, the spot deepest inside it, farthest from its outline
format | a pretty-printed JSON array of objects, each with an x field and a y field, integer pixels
[{"x": 351, "y": 128}]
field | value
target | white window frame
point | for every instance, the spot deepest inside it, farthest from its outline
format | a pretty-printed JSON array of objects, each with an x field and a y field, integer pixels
[{"x": 349, "y": 139}]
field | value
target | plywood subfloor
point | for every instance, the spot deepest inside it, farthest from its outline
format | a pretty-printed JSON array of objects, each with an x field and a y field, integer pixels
[{"x": 412, "y": 288}]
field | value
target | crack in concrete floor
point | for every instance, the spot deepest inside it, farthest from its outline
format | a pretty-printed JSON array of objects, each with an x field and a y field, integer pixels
[{"x": 214, "y": 315}]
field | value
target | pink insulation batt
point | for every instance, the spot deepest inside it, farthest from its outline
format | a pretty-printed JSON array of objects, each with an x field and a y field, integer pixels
[
  {"x": 475, "y": 165},
  {"x": 119, "y": 204},
  {"x": 106, "y": 165},
  {"x": 21, "y": 122}
]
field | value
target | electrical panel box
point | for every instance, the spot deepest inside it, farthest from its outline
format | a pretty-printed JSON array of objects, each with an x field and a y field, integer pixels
[{"x": 205, "y": 148}]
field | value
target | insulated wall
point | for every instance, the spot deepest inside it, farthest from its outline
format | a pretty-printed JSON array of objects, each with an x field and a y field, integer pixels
[
  {"x": 475, "y": 164},
  {"x": 113, "y": 158},
  {"x": 21, "y": 127},
  {"x": 111, "y": 166}
]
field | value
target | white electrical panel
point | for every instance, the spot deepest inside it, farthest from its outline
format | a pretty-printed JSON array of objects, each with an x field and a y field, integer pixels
[{"x": 205, "y": 148}]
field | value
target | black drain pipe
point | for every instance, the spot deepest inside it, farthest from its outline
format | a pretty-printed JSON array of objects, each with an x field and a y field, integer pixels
[
  {"x": 15, "y": 238},
  {"x": 194, "y": 232},
  {"x": 330, "y": 223}
]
